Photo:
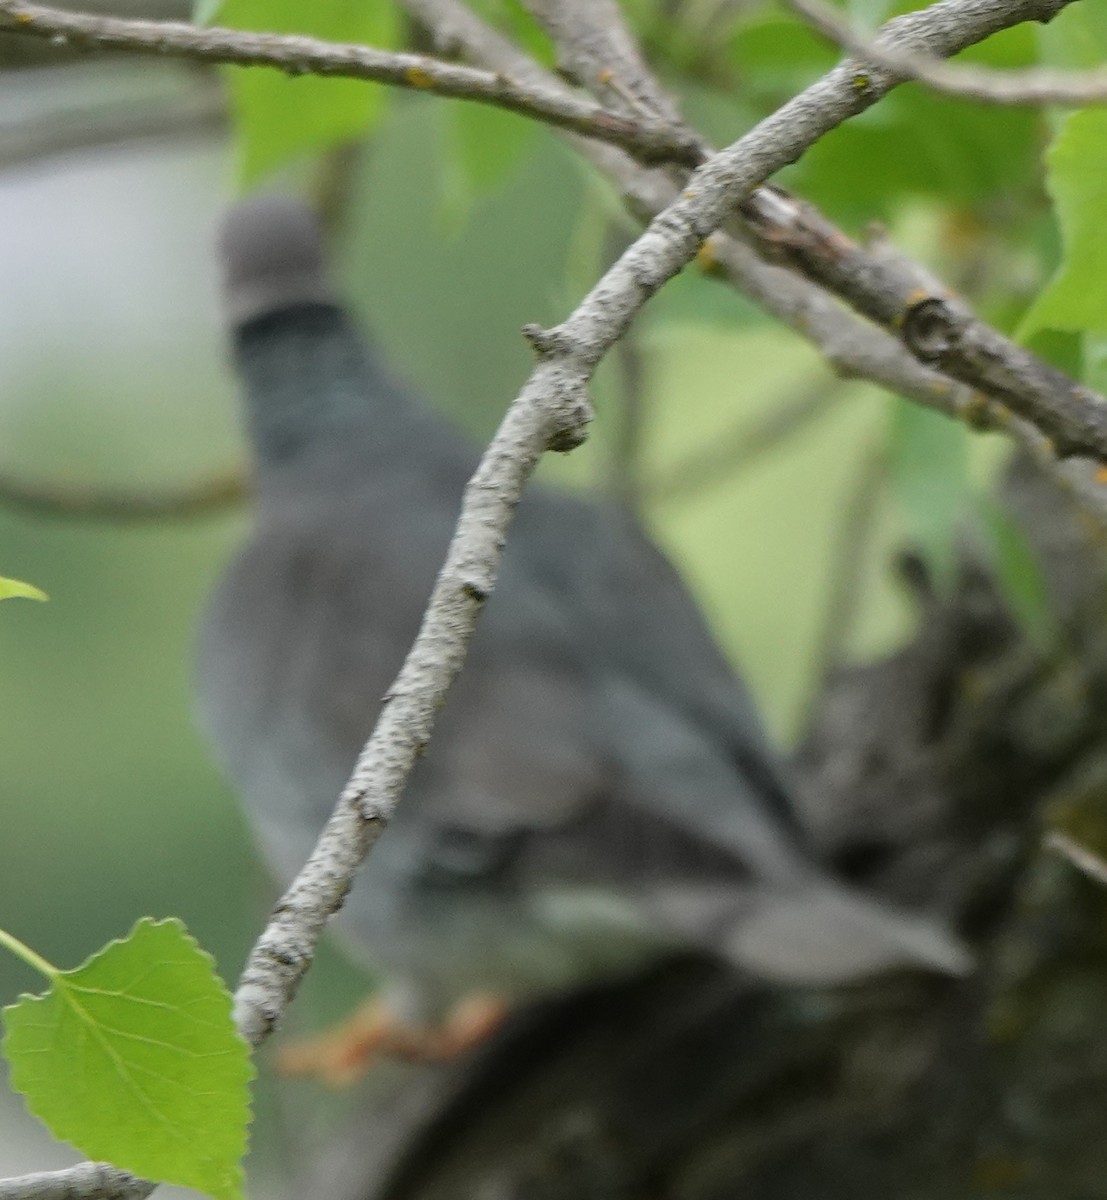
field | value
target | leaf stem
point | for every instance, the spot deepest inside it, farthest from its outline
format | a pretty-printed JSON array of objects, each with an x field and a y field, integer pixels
[{"x": 24, "y": 952}]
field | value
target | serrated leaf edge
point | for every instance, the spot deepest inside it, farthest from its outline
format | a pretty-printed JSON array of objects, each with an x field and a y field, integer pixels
[{"x": 235, "y": 1177}]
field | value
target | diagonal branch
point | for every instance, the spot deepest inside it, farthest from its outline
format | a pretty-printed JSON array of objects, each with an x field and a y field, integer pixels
[
  {"x": 937, "y": 327},
  {"x": 596, "y": 47},
  {"x": 853, "y": 347},
  {"x": 1028, "y": 385},
  {"x": 1079, "y": 855},
  {"x": 549, "y": 413},
  {"x": 641, "y": 135}
]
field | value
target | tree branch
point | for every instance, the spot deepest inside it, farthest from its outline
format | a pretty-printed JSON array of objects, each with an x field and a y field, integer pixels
[
  {"x": 86, "y": 1181},
  {"x": 1080, "y": 856},
  {"x": 1033, "y": 381},
  {"x": 560, "y": 107},
  {"x": 853, "y": 347},
  {"x": 934, "y": 325},
  {"x": 295, "y": 55},
  {"x": 34, "y": 53},
  {"x": 596, "y": 46},
  {"x": 1035, "y": 85}
]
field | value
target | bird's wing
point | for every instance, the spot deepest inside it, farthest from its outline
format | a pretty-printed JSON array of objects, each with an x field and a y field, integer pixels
[
  {"x": 678, "y": 727},
  {"x": 308, "y": 631}
]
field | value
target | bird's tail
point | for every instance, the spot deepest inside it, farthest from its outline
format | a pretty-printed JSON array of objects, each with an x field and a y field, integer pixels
[{"x": 823, "y": 933}]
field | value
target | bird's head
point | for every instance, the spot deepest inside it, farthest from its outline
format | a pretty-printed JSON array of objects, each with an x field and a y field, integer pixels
[{"x": 272, "y": 255}]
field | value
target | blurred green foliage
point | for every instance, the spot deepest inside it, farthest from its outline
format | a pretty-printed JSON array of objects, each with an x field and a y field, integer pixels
[{"x": 279, "y": 116}]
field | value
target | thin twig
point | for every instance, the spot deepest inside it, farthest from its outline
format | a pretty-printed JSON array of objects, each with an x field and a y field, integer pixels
[
  {"x": 86, "y": 1181},
  {"x": 1080, "y": 856},
  {"x": 847, "y": 569},
  {"x": 732, "y": 451},
  {"x": 986, "y": 85},
  {"x": 296, "y": 55},
  {"x": 123, "y": 505},
  {"x": 57, "y": 133},
  {"x": 596, "y": 46},
  {"x": 854, "y": 348},
  {"x": 35, "y": 53}
]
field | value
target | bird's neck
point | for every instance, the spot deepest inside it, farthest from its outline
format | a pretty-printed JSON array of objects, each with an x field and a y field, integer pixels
[{"x": 310, "y": 379}]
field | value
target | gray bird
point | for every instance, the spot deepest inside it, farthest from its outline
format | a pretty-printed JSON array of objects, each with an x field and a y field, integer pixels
[{"x": 598, "y": 788}]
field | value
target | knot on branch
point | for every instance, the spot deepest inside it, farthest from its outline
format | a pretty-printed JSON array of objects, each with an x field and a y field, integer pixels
[
  {"x": 545, "y": 342},
  {"x": 862, "y": 78},
  {"x": 930, "y": 329},
  {"x": 370, "y": 808},
  {"x": 475, "y": 590},
  {"x": 568, "y": 426}
]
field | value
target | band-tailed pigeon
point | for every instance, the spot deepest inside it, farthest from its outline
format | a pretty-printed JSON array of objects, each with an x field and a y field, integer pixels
[{"x": 599, "y": 786}]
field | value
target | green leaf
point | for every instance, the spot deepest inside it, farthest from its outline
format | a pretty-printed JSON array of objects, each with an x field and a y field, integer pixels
[
  {"x": 133, "y": 1058},
  {"x": 16, "y": 587},
  {"x": 929, "y": 469},
  {"x": 279, "y": 117},
  {"x": 1076, "y": 297},
  {"x": 1018, "y": 572}
]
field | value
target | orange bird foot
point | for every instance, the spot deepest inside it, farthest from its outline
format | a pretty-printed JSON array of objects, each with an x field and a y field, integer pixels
[{"x": 340, "y": 1056}]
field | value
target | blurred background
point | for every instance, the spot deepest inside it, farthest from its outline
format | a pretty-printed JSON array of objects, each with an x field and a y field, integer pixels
[{"x": 113, "y": 375}]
